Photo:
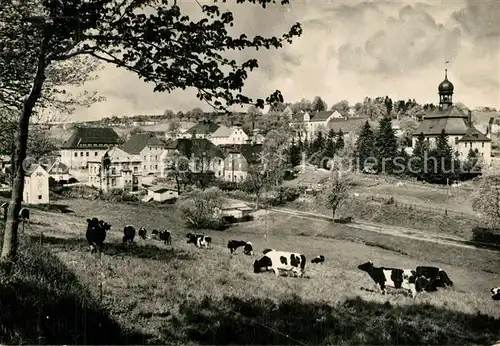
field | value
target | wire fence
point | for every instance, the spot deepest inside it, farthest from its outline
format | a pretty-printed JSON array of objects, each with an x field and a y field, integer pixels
[{"x": 429, "y": 209}]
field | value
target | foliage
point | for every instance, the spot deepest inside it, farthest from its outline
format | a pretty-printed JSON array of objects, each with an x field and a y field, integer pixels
[
  {"x": 199, "y": 207},
  {"x": 273, "y": 157},
  {"x": 386, "y": 147},
  {"x": 302, "y": 106},
  {"x": 342, "y": 107},
  {"x": 486, "y": 200},
  {"x": 318, "y": 105},
  {"x": 365, "y": 147},
  {"x": 486, "y": 235},
  {"x": 337, "y": 192}
]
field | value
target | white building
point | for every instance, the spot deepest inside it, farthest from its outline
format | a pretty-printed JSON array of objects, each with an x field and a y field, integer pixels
[
  {"x": 58, "y": 171},
  {"x": 310, "y": 123},
  {"x": 228, "y": 135},
  {"x": 87, "y": 143},
  {"x": 149, "y": 149},
  {"x": 162, "y": 193},
  {"x": 36, "y": 185},
  {"x": 123, "y": 173}
]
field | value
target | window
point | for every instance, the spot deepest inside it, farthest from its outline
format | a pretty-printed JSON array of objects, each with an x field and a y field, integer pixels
[
  {"x": 95, "y": 154},
  {"x": 135, "y": 169},
  {"x": 482, "y": 145},
  {"x": 39, "y": 196},
  {"x": 144, "y": 166},
  {"x": 113, "y": 170},
  {"x": 156, "y": 166},
  {"x": 113, "y": 182},
  {"x": 81, "y": 153},
  {"x": 76, "y": 154},
  {"x": 87, "y": 153}
]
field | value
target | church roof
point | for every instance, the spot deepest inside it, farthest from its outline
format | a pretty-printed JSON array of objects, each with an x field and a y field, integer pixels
[
  {"x": 452, "y": 120},
  {"x": 446, "y": 87},
  {"x": 474, "y": 135}
]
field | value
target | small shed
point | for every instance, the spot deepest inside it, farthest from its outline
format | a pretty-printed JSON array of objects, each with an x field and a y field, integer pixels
[
  {"x": 36, "y": 185},
  {"x": 162, "y": 193},
  {"x": 238, "y": 210}
]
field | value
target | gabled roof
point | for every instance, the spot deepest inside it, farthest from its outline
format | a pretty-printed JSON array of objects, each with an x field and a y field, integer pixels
[
  {"x": 250, "y": 152},
  {"x": 31, "y": 169},
  {"x": 84, "y": 137},
  {"x": 57, "y": 168},
  {"x": 434, "y": 126},
  {"x": 223, "y": 131},
  {"x": 204, "y": 127},
  {"x": 117, "y": 155},
  {"x": 474, "y": 135},
  {"x": 450, "y": 112},
  {"x": 349, "y": 125},
  {"x": 188, "y": 147},
  {"x": 138, "y": 142},
  {"x": 313, "y": 116}
]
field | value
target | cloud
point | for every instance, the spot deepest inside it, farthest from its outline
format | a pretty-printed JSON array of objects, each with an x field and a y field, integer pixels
[{"x": 348, "y": 50}]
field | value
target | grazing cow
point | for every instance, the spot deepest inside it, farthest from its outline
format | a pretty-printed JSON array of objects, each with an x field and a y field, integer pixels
[
  {"x": 96, "y": 234},
  {"x": 318, "y": 259},
  {"x": 232, "y": 245},
  {"x": 277, "y": 260},
  {"x": 128, "y": 234},
  {"x": 496, "y": 293},
  {"x": 391, "y": 277},
  {"x": 143, "y": 233},
  {"x": 436, "y": 277},
  {"x": 199, "y": 240},
  {"x": 164, "y": 236},
  {"x": 24, "y": 215}
]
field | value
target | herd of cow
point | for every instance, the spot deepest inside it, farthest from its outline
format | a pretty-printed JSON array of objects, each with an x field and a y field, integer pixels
[{"x": 422, "y": 278}]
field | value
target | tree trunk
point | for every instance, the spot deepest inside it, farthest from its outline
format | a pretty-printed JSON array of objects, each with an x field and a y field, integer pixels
[{"x": 10, "y": 241}]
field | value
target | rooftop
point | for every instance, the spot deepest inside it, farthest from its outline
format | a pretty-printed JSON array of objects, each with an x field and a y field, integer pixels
[{"x": 86, "y": 137}]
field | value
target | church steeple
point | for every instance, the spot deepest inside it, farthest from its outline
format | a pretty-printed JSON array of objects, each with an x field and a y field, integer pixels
[{"x": 445, "y": 92}]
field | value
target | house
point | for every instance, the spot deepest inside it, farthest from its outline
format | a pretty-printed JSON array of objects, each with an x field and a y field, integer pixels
[
  {"x": 124, "y": 171},
  {"x": 58, "y": 171},
  {"x": 350, "y": 126},
  {"x": 87, "y": 143},
  {"x": 307, "y": 124},
  {"x": 202, "y": 129},
  {"x": 36, "y": 185},
  {"x": 162, "y": 193},
  {"x": 229, "y": 135},
  {"x": 238, "y": 159},
  {"x": 463, "y": 136},
  {"x": 198, "y": 155},
  {"x": 149, "y": 148}
]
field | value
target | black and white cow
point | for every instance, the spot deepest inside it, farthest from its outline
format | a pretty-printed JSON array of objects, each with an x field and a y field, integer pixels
[
  {"x": 391, "y": 277},
  {"x": 143, "y": 233},
  {"x": 24, "y": 215},
  {"x": 435, "y": 277},
  {"x": 232, "y": 245},
  {"x": 164, "y": 236},
  {"x": 96, "y": 233},
  {"x": 128, "y": 234},
  {"x": 199, "y": 240},
  {"x": 281, "y": 260},
  {"x": 496, "y": 293},
  {"x": 318, "y": 259}
]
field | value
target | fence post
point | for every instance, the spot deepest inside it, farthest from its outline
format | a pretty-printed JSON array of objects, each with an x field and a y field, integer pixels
[{"x": 446, "y": 212}]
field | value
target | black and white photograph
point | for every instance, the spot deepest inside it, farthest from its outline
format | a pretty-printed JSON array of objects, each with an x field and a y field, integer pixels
[{"x": 249, "y": 172}]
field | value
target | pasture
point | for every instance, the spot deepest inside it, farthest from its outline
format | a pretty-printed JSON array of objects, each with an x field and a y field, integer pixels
[{"x": 183, "y": 295}]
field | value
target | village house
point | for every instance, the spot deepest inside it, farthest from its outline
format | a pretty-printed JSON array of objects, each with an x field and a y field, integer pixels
[
  {"x": 58, "y": 171},
  {"x": 351, "y": 127},
  {"x": 229, "y": 135},
  {"x": 124, "y": 171},
  {"x": 36, "y": 185},
  {"x": 148, "y": 148},
  {"x": 202, "y": 129},
  {"x": 161, "y": 194},
  {"x": 199, "y": 155},
  {"x": 87, "y": 143},
  {"x": 307, "y": 124},
  {"x": 238, "y": 159},
  {"x": 463, "y": 136}
]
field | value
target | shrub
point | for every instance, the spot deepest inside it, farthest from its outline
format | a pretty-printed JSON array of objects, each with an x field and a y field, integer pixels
[
  {"x": 486, "y": 235},
  {"x": 72, "y": 180},
  {"x": 229, "y": 219},
  {"x": 227, "y": 185},
  {"x": 288, "y": 193},
  {"x": 246, "y": 218},
  {"x": 200, "y": 208}
]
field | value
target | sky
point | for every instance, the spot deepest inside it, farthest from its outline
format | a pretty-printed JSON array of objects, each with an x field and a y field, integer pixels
[{"x": 348, "y": 50}]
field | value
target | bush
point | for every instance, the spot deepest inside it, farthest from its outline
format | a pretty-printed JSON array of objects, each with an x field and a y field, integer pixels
[
  {"x": 72, "y": 180},
  {"x": 246, "y": 218},
  {"x": 486, "y": 235},
  {"x": 227, "y": 185},
  {"x": 229, "y": 219},
  {"x": 288, "y": 193},
  {"x": 118, "y": 196},
  {"x": 200, "y": 208}
]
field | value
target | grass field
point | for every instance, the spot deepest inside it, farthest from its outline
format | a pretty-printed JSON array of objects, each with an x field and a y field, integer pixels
[{"x": 181, "y": 295}]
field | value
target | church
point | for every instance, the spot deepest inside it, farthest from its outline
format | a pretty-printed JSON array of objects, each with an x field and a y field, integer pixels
[{"x": 462, "y": 135}]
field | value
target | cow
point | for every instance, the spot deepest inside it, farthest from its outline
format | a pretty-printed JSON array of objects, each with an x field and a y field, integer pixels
[
  {"x": 232, "y": 245},
  {"x": 276, "y": 260},
  {"x": 391, "y": 277},
  {"x": 164, "y": 236},
  {"x": 436, "y": 277},
  {"x": 496, "y": 293},
  {"x": 128, "y": 234},
  {"x": 143, "y": 233},
  {"x": 96, "y": 234},
  {"x": 199, "y": 240},
  {"x": 24, "y": 215},
  {"x": 5, "y": 208},
  {"x": 318, "y": 259}
]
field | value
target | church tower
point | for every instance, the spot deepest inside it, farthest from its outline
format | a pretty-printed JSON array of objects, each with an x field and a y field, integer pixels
[{"x": 445, "y": 92}]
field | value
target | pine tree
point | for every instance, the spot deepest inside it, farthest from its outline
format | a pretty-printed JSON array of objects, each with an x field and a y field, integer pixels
[
  {"x": 417, "y": 167},
  {"x": 318, "y": 105},
  {"x": 386, "y": 146},
  {"x": 365, "y": 145},
  {"x": 442, "y": 159},
  {"x": 339, "y": 144},
  {"x": 295, "y": 154},
  {"x": 331, "y": 134}
]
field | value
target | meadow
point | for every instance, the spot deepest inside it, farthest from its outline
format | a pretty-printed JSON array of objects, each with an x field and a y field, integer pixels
[{"x": 178, "y": 294}]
